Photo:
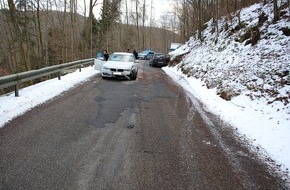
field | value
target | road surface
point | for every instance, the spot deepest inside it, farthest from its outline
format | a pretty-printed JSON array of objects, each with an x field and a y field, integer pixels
[{"x": 118, "y": 135}]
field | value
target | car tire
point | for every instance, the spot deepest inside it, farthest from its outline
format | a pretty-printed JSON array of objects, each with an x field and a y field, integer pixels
[{"x": 133, "y": 75}]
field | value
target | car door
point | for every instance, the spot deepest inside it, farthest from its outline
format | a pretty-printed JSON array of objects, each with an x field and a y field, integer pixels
[
  {"x": 99, "y": 61},
  {"x": 150, "y": 55}
]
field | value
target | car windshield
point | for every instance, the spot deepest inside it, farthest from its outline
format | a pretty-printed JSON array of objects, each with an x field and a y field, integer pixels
[{"x": 121, "y": 57}]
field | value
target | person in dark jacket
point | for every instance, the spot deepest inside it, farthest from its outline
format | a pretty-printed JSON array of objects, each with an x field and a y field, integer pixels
[
  {"x": 106, "y": 55},
  {"x": 135, "y": 54}
]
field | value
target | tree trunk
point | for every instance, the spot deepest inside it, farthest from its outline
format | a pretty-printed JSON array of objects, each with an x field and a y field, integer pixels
[
  {"x": 200, "y": 21},
  {"x": 276, "y": 11},
  {"x": 143, "y": 25},
  {"x": 39, "y": 32},
  {"x": 18, "y": 34},
  {"x": 217, "y": 18},
  {"x": 137, "y": 21}
]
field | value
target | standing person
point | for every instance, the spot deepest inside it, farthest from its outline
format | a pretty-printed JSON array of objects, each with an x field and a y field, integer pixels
[
  {"x": 135, "y": 54},
  {"x": 106, "y": 55}
]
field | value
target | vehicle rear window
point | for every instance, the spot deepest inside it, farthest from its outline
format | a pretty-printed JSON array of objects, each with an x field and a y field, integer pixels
[{"x": 160, "y": 56}]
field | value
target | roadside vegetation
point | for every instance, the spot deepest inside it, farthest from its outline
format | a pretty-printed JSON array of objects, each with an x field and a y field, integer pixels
[{"x": 37, "y": 34}]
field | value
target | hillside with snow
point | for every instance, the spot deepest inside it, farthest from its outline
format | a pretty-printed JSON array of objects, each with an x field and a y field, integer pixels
[
  {"x": 246, "y": 66},
  {"x": 233, "y": 66}
]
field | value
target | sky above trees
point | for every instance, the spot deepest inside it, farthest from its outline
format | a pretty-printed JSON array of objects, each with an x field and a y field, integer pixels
[{"x": 159, "y": 8}]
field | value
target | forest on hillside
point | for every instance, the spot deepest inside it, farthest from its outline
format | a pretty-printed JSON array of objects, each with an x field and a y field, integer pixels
[{"x": 36, "y": 34}]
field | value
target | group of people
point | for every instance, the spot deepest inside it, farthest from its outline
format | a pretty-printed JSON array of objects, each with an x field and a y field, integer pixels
[
  {"x": 134, "y": 53},
  {"x": 106, "y": 55}
]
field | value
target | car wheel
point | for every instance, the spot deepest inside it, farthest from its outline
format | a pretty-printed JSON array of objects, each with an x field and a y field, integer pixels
[{"x": 133, "y": 76}]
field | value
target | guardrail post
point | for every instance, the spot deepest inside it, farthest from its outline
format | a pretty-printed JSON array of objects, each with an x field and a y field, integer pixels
[
  {"x": 80, "y": 68},
  {"x": 59, "y": 75},
  {"x": 16, "y": 88}
]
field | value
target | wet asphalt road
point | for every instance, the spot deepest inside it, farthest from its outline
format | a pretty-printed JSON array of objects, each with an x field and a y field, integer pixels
[{"x": 119, "y": 135}]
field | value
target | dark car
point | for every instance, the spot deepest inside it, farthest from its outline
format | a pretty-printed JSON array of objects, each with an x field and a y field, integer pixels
[{"x": 158, "y": 60}]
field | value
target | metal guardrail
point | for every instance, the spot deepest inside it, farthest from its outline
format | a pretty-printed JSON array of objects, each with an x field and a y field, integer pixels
[{"x": 16, "y": 79}]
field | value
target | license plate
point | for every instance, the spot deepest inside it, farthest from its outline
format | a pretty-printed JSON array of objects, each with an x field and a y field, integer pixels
[{"x": 117, "y": 73}]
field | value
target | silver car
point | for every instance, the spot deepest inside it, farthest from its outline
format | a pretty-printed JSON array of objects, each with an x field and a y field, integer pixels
[{"x": 120, "y": 65}]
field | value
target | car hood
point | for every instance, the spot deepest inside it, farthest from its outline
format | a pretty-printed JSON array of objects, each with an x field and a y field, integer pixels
[{"x": 118, "y": 64}]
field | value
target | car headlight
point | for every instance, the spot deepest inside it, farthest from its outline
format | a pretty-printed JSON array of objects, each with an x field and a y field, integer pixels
[{"x": 106, "y": 68}]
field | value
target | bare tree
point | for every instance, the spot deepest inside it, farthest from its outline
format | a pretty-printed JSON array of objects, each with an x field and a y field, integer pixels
[
  {"x": 200, "y": 21},
  {"x": 89, "y": 24},
  {"x": 276, "y": 11},
  {"x": 39, "y": 33},
  {"x": 8, "y": 47},
  {"x": 19, "y": 34},
  {"x": 137, "y": 19},
  {"x": 143, "y": 24}
]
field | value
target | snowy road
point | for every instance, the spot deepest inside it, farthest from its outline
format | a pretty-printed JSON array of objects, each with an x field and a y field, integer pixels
[{"x": 110, "y": 134}]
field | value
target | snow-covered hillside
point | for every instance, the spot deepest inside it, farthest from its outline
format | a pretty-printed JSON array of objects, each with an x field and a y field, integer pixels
[
  {"x": 252, "y": 76},
  {"x": 234, "y": 68}
]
